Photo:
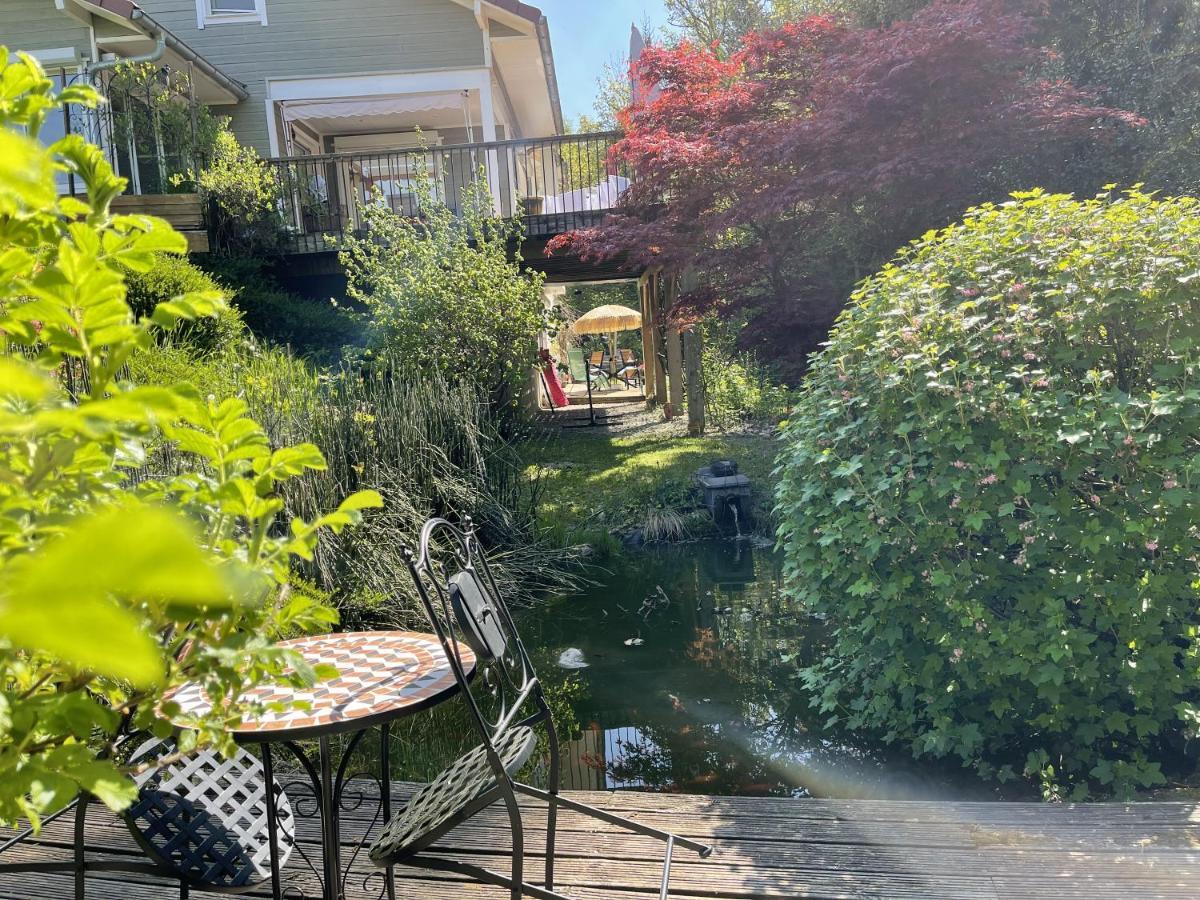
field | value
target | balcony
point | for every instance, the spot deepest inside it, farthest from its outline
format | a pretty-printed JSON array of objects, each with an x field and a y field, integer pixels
[{"x": 554, "y": 184}]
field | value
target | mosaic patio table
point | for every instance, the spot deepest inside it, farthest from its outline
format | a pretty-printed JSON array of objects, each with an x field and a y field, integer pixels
[{"x": 382, "y": 676}]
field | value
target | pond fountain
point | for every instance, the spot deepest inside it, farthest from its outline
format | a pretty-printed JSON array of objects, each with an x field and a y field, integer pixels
[{"x": 726, "y": 494}]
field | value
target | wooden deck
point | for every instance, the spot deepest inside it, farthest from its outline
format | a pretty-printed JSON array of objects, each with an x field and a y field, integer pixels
[{"x": 769, "y": 848}]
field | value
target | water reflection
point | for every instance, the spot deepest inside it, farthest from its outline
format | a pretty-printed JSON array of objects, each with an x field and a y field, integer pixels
[{"x": 690, "y": 686}]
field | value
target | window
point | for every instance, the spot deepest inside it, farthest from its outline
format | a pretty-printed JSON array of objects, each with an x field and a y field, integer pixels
[
  {"x": 218, "y": 12},
  {"x": 61, "y": 122}
]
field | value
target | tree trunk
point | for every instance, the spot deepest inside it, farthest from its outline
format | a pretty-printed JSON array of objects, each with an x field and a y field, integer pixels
[{"x": 693, "y": 347}]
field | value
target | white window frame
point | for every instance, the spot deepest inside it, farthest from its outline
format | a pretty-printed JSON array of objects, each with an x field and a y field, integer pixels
[{"x": 205, "y": 16}]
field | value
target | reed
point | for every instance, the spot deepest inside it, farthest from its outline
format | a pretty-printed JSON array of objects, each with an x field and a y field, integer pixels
[{"x": 431, "y": 446}]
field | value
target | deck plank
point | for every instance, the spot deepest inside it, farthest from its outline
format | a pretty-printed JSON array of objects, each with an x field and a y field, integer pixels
[{"x": 765, "y": 848}]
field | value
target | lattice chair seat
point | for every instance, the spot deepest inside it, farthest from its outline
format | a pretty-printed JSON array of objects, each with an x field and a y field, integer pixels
[
  {"x": 204, "y": 818},
  {"x": 436, "y": 807}
]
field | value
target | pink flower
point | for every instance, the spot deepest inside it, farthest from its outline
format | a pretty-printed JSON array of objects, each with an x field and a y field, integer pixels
[
  {"x": 969, "y": 292},
  {"x": 1128, "y": 442},
  {"x": 1094, "y": 500},
  {"x": 1005, "y": 354},
  {"x": 846, "y": 395},
  {"x": 959, "y": 464},
  {"x": 1029, "y": 356},
  {"x": 1042, "y": 383},
  {"x": 1151, "y": 546},
  {"x": 954, "y": 503},
  {"x": 1029, "y": 539},
  {"x": 1169, "y": 483},
  {"x": 989, "y": 479}
]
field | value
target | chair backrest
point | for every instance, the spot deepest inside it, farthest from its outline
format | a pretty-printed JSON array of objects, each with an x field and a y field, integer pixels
[
  {"x": 598, "y": 358},
  {"x": 465, "y": 606},
  {"x": 203, "y": 818},
  {"x": 577, "y": 364},
  {"x": 627, "y": 356}
]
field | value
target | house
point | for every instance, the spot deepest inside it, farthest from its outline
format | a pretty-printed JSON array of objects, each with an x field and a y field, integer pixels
[
  {"x": 351, "y": 102},
  {"x": 309, "y": 76}
]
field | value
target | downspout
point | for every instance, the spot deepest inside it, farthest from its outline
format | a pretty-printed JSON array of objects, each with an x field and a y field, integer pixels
[{"x": 160, "y": 47}]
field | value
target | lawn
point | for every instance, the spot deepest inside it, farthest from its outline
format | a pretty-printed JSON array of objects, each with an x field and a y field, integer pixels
[{"x": 594, "y": 482}]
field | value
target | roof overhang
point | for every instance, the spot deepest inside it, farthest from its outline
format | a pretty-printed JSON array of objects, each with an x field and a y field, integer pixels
[
  {"x": 134, "y": 32},
  {"x": 524, "y": 61}
]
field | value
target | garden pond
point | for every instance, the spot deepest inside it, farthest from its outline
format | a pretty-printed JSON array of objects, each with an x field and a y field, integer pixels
[{"x": 678, "y": 668}]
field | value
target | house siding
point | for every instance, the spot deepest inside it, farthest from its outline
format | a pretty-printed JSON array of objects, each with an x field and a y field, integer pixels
[
  {"x": 37, "y": 25},
  {"x": 315, "y": 38}
]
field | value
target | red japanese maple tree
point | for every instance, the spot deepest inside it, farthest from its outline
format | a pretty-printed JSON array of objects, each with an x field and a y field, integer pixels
[{"x": 801, "y": 162}]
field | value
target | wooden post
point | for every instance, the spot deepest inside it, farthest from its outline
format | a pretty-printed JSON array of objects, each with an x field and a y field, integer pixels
[
  {"x": 693, "y": 348},
  {"x": 656, "y": 333},
  {"x": 648, "y": 357},
  {"x": 674, "y": 356}
]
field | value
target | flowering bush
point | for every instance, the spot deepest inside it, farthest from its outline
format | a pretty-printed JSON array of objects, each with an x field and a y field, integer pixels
[
  {"x": 118, "y": 582},
  {"x": 990, "y": 488}
]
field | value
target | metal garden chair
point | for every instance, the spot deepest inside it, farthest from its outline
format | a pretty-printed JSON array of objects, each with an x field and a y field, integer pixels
[
  {"x": 506, "y": 703},
  {"x": 201, "y": 820}
]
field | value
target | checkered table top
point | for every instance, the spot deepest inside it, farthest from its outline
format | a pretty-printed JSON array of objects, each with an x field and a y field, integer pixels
[{"x": 380, "y": 674}]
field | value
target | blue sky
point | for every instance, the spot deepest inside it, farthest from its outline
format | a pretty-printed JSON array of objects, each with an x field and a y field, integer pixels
[{"x": 588, "y": 33}]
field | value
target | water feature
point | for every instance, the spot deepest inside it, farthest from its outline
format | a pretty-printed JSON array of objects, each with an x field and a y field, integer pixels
[{"x": 689, "y": 685}]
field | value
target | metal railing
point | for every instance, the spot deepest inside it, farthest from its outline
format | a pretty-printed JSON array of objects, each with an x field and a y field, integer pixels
[{"x": 555, "y": 184}]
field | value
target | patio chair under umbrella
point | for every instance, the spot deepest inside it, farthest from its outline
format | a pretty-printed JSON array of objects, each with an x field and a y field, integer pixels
[{"x": 608, "y": 320}]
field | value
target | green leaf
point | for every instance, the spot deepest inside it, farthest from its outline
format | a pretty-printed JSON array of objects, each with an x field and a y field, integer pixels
[
  {"x": 65, "y": 598},
  {"x": 361, "y": 500},
  {"x": 102, "y": 779}
]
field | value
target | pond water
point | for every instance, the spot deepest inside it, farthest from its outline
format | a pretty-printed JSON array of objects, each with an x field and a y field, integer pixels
[{"x": 679, "y": 668}]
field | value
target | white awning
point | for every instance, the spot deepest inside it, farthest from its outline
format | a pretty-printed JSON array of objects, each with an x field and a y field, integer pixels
[{"x": 404, "y": 104}]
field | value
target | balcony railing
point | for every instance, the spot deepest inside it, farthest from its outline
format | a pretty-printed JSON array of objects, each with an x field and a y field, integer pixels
[{"x": 555, "y": 184}]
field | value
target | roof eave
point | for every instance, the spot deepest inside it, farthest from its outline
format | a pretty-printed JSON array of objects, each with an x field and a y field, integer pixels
[{"x": 129, "y": 13}]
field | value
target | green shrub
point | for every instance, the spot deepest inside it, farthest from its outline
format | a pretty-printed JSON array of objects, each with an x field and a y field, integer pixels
[
  {"x": 442, "y": 292},
  {"x": 738, "y": 390},
  {"x": 989, "y": 488},
  {"x": 170, "y": 277},
  {"x": 246, "y": 193},
  {"x": 309, "y": 327}
]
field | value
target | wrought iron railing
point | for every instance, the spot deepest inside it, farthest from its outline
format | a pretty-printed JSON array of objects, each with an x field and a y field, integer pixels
[{"x": 556, "y": 184}]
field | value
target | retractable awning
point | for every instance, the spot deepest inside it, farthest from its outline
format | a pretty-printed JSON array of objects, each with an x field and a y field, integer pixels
[{"x": 359, "y": 107}]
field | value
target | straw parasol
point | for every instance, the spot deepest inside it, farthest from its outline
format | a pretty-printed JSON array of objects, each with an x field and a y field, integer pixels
[{"x": 608, "y": 320}]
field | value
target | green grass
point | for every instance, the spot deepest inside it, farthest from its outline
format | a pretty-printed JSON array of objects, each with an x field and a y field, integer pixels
[{"x": 593, "y": 483}]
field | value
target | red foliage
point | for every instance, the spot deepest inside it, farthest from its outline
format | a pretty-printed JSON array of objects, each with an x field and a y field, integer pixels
[{"x": 817, "y": 140}]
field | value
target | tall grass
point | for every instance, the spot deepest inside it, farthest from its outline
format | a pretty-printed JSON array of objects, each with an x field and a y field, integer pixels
[{"x": 430, "y": 446}]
